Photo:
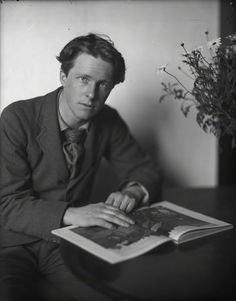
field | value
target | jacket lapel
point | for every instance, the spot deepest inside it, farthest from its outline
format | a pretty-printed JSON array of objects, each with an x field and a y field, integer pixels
[{"x": 49, "y": 137}]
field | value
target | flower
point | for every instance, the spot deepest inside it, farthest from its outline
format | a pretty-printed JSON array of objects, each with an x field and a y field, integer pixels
[
  {"x": 213, "y": 91},
  {"x": 162, "y": 68},
  {"x": 214, "y": 43}
]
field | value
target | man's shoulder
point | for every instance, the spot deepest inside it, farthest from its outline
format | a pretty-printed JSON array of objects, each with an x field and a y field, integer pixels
[{"x": 26, "y": 107}]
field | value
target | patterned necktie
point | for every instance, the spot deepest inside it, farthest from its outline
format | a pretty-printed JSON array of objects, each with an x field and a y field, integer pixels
[{"x": 73, "y": 148}]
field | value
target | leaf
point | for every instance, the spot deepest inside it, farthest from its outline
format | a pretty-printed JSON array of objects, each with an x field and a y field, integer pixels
[
  {"x": 185, "y": 109},
  {"x": 162, "y": 98},
  {"x": 200, "y": 118}
]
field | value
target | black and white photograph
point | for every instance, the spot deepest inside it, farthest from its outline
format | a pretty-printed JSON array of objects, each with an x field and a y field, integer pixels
[{"x": 117, "y": 150}]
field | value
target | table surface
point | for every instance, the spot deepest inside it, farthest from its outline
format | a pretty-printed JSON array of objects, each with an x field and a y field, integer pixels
[{"x": 203, "y": 269}]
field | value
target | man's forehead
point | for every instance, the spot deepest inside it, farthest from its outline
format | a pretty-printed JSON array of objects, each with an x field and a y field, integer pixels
[
  {"x": 90, "y": 57},
  {"x": 88, "y": 63}
]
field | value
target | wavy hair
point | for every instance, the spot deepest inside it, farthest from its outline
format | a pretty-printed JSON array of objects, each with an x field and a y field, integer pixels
[{"x": 97, "y": 46}]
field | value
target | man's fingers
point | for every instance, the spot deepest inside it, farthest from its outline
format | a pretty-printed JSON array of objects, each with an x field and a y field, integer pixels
[
  {"x": 100, "y": 214},
  {"x": 117, "y": 214},
  {"x": 103, "y": 223},
  {"x": 125, "y": 203},
  {"x": 112, "y": 209},
  {"x": 118, "y": 220},
  {"x": 109, "y": 200},
  {"x": 130, "y": 206},
  {"x": 117, "y": 201},
  {"x": 121, "y": 201},
  {"x": 112, "y": 198}
]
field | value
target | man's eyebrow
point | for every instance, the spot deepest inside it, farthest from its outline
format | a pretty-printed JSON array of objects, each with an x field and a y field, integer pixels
[{"x": 83, "y": 74}]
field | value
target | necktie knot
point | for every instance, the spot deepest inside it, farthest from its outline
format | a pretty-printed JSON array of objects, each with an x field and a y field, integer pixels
[
  {"x": 75, "y": 135},
  {"x": 73, "y": 148}
]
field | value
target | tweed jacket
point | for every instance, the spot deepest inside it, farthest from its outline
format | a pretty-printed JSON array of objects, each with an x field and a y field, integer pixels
[{"x": 35, "y": 189}]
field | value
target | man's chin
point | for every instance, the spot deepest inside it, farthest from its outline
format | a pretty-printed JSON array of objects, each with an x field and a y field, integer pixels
[
  {"x": 87, "y": 115},
  {"x": 84, "y": 118}
]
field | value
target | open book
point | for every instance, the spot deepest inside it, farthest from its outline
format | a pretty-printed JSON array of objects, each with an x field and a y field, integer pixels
[{"x": 153, "y": 226}]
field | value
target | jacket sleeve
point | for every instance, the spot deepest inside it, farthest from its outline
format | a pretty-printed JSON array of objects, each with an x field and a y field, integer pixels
[
  {"x": 130, "y": 161},
  {"x": 21, "y": 209}
]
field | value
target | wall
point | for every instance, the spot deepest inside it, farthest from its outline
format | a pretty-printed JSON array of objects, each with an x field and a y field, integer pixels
[{"x": 148, "y": 33}]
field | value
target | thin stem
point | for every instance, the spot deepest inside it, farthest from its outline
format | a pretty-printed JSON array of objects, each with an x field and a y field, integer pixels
[
  {"x": 210, "y": 65},
  {"x": 193, "y": 72},
  {"x": 185, "y": 73},
  {"x": 177, "y": 81}
]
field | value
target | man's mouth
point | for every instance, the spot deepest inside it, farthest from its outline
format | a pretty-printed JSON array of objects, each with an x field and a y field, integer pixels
[{"x": 87, "y": 105}]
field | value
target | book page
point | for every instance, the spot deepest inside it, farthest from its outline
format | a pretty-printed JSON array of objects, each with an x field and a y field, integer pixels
[
  {"x": 153, "y": 226},
  {"x": 117, "y": 245},
  {"x": 121, "y": 243},
  {"x": 178, "y": 221}
]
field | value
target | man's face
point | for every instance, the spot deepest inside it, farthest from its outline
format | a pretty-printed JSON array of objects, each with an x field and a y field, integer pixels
[{"x": 85, "y": 88}]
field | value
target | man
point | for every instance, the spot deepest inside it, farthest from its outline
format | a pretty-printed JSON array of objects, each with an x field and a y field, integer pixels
[{"x": 46, "y": 176}]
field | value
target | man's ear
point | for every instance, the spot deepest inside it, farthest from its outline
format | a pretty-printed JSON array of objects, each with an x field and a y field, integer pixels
[{"x": 63, "y": 78}]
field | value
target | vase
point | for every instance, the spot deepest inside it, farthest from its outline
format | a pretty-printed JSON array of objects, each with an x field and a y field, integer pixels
[{"x": 227, "y": 160}]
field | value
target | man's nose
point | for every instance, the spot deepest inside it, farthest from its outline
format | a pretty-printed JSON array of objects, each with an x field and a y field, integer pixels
[{"x": 91, "y": 92}]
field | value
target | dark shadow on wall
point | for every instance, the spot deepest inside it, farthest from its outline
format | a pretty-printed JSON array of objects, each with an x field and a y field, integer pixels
[{"x": 148, "y": 137}]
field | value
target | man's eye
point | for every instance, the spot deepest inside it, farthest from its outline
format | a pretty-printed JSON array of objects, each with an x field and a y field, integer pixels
[
  {"x": 83, "y": 79},
  {"x": 104, "y": 85}
]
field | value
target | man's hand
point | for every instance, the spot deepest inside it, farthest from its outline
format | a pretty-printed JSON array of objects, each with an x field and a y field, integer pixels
[
  {"x": 100, "y": 214},
  {"x": 123, "y": 201}
]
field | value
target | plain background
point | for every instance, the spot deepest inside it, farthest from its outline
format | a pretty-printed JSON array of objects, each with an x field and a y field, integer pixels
[{"x": 148, "y": 34}]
